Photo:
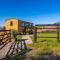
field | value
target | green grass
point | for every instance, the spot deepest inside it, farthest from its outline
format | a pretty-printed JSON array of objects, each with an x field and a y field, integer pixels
[
  {"x": 39, "y": 26},
  {"x": 18, "y": 38},
  {"x": 46, "y": 45},
  {"x": 46, "y": 35},
  {"x": 50, "y": 41}
]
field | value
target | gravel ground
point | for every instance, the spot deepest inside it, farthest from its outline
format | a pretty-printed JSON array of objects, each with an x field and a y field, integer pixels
[
  {"x": 28, "y": 39},
  {"x": 4, "y": 50}
]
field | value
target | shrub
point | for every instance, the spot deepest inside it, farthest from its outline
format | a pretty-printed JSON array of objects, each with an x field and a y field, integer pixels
[
  {"x": 16, "y": 36},
  {"x": 15, "y": 33}
]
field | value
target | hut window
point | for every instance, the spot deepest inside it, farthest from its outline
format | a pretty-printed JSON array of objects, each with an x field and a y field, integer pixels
[
  {"x": 11, "y": 23},
  {"x": 22, "y": 24}
]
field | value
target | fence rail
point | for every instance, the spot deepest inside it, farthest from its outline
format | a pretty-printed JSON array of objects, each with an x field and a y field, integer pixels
[
  {"x": 47, "y": 28},
  {"x": 5, "y": 37}
]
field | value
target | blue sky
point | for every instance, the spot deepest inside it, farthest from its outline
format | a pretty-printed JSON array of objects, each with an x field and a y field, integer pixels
[{"x": 36, "y": 11}]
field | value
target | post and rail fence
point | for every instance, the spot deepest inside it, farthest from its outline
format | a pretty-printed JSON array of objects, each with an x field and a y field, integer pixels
[{"x": 46, "y": 28}]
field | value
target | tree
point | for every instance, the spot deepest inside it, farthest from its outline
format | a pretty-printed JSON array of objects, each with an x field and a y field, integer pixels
[{"x": 57, "y": 23}]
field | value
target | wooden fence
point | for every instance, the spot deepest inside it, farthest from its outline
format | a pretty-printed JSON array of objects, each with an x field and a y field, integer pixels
[
  {"x": 55, "y": 29},
  {"x": 5, "y": 37}
]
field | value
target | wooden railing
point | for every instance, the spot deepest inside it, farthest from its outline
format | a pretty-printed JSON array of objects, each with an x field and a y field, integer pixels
[
  {"x": 53, "y": 29},
  {"x": 5, "y": 37}
]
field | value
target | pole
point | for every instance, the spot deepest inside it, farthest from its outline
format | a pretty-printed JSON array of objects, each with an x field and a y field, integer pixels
[
  {"x": 57, "y": 33},
  {"x": 35, "y": 35}
]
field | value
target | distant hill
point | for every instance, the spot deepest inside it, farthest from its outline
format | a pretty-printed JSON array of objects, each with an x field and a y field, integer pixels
[{"x": 57, "y": 23}]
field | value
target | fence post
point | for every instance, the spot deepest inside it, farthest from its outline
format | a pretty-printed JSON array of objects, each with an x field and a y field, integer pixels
[
  {"x": 57, "y": 33},
  {"x": 35, "y": 35},
  {"x": 10, "y": 34}
]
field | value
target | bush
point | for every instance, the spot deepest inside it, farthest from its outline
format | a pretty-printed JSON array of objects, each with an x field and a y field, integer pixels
[
  {"x": 15, "y": 35},
  {"x": 18, "y": 38}
]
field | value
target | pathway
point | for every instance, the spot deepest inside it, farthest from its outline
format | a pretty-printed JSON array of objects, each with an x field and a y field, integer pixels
[
  {"x": 28, "y": 37},
  {"x": 4, "y": 50}
]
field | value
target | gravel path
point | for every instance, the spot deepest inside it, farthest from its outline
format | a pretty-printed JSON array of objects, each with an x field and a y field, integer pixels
[
  {"x": 4, "y": 50},
  {"x": 28, "y": 39}
]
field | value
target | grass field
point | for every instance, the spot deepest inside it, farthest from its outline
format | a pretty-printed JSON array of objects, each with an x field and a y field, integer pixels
[
  {"x": 40, "y": 26},
  {"x": 50, "y": 41},
  {"x": 47, "y": 35},
  {"x": 47, "y": 45}
]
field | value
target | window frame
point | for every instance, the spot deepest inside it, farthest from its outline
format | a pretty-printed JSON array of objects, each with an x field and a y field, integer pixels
[{"x": 11, "y": 23}]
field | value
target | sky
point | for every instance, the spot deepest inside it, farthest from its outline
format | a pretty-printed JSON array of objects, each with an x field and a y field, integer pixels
[{"x": 35, "y": 11}]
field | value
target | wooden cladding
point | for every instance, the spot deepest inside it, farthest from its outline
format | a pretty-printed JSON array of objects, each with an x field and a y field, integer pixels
[{"x": 18, "y": 25}]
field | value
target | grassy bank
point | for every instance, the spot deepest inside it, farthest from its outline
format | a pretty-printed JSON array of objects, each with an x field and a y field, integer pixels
[{"x": 46, "y": 46}]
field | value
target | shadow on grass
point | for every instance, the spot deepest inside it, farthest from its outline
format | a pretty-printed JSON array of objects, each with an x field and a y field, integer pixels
[{"x": 46, "y": 57}]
